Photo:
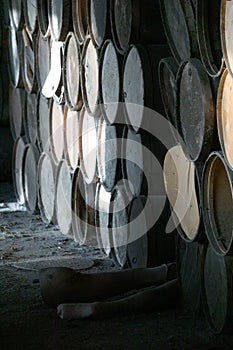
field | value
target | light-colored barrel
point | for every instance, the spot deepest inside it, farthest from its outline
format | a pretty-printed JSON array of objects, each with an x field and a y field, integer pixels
[
  {"x": 226, "y": 33},
  {"x": 56, "y": 117},
  {"x": 46, "y": 188},
  {"x": 63, "y": 198},
  {"x": 43, "y": 59},
  {"x": 71, "y": 138},
  {"x": 88, "y": 146}
]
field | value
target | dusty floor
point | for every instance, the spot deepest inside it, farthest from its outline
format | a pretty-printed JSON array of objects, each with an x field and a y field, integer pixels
[{"x": 25, "y": 323}]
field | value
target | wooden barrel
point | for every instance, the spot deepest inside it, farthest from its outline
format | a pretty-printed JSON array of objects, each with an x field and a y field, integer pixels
[
  {"x": 110, "y": 83},
  {"x": 43, "y": 112},
  {"x": 63, "y": 198},
  {"x": 56, "y": 117},
  {"x": 71, "y": 138},
  {"x": 108, "y": 154},
  {"x": 88, "y": 146},
  {"x": 43, "y": 17},
  {"x": 119, "y": 224},
  {"x": 43, "y": 59},
  {"x": 224, "y": 119},
  {"x": 183, "y": 188},
  {"x": 83, "y": 210},
  {"x": 218, "y": 203},
  {"x": 141, "y": 82},
  {"x": 16, "y": 111},
  {"x": 141, "y": 159},
  {"x": 98, "y": 21},
  {"x": 16, "y": 14},
  {"x": 189, "y": 270},
  {"x": 15, "y": 58},
  {"x": 133, "y": 22},
  {"x": 102, "y": 219},
  {"x": 148, "y": 242},
  {"x": 17, "y": 169},
  {"x": 168, "y": 69},
  {"x": 30, "y": 118},
  {"x": 217, "y": 291},
  {"x": 209, "y": 36},
  {"x": 59, "y": 18},
  {"x": 90, "y": 77},
  {"x": 30, "y": 11},
  {"x": 29, "y": 169},
  {"x": 29, "y": 62},
  {"x": 4, "y": 95},
  {"x": 226, "y": 33},
  {"x": 71, "y": 73},
  {"x": 6, "y": 148},
  {"x": 196, "y": 111},
  {"x": 53, "y": 86},
  {"x": 180, "y": 28},
  {"x": 46, "y": 188},
  {"x": 80, "y": 22}
]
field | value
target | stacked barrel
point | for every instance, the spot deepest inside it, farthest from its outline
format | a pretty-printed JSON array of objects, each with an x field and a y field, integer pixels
[
  {"x": 196, "y": 85},
  {"x": 81, "y": 157}
]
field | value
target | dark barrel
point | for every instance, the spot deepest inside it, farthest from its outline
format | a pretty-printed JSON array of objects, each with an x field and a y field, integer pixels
[
  {"x": 46, "y": 188},
  {"x": 43, "y": 59},
  {"x": 133, "y": 22},
  {"x": 43, "y": 17},
  {"x": 63, "y": 196},
  {"x": 71, "y": 138},
  {"x": 83, "y": 210},
  {"x": 110, "y": 83},
  {"x": 6, "y": 147},
  {"x": 141, "y": 82},
  {"x": 180, "y": 28},
  {"x": 15, "y": 43},
  {"x": 98, "y": 21},
  {"x": 43, "y": 116},
  {"x": 30, "y": 11},
  {"x": 16, "y": 14},
  {"x": 209, "y": 36},
  {"x": 90, "y": 77},
  {"x": 30, "y": 118},
  {"x": 196, "y": 110},
  {"x": 16, "y": 111},
  {"x": 217, "y": 291},
  {"x": 59, "y": 18},
  {"x": 108, "y": 154},
  {"x": 218, "y": 203},
  {"x": 224, "y": 115},
  {"x": 29, "y": 169},
  {"x": 29, "y": 61},
  {"x": 80, "y": 22},
  {"x": 4, "y": 95},
  {"x": 71, "y": 73},
  {"x": 183, "y": 187}
]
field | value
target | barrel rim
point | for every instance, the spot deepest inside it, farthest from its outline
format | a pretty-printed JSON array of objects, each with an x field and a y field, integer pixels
[
  {"x": 78, "y": 103},
  {"x": 207, "y": 206}
]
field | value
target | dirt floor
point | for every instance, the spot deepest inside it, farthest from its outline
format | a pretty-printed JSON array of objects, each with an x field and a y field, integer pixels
[{"x": 26, "y": 245}]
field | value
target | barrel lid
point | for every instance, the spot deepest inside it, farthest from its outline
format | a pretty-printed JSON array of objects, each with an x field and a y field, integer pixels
[
  {"x": 18, "y": 153},
  {"x": 224, "y": 117},
  {"x": 120, "y": 224},
  {"x": 109, "y": 82},
  {"x": 107, "y": 155},
  {"x": 88, "y": 146},
  {"x": 137, "y": 84},
  {"x": 43, "y": 17},
  {"x": 63, "y": 198},
  {"x": 46, "y": 188},
  {"x": 79, "y": 15},
  {"x": 71, "y": 138},
  {"x": 226, "y": 26},
  {"x": 102, "y": 218},
  {"x": 43, "y": 112},
  {"x": 71, "y": 73},
  {"x": 196, "y": 110},
  {"x": 179, "y": 178},
  {"x": 59, "y": 18},
  {"x": 97, "y": 20},
  {"x": 217, "y": 290},
  {"x": 56, "y": 131},
  {"x": 43, "y": 59},
  {"x": 16, "y": 14},
  {"x": 16, "y": 106},
  {"x": 121, "y": 23},
  {"x": 30, "y": 161},
  {"x": 218, "y": 203},
  {"x": 137, "y": 248},
  {"x": 90, "y": 77},
  {"x": 30, "y": 15}
]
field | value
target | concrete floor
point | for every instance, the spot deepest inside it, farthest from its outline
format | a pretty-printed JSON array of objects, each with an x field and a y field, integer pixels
[{"x": 25, "y": 323}]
